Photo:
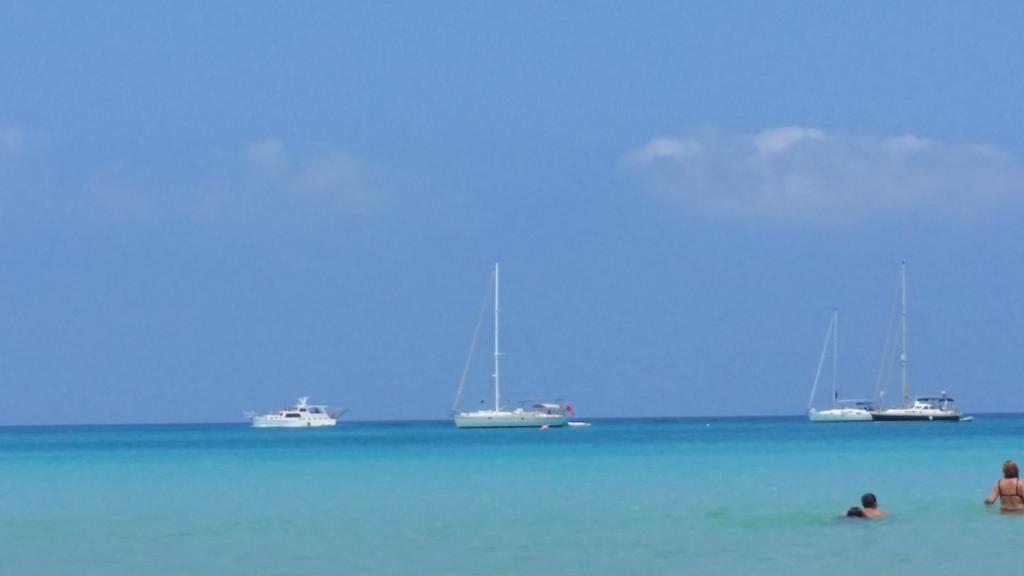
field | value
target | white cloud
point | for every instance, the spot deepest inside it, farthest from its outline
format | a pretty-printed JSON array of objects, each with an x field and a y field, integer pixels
[
  {"x": 13, "y": 141},
  {"x": 117, "y": 196},
  {"x": 19, "y": 142},
  {"x": 22, "y": 183},
  {"x": 341, "y": 180},
  {"x": 798, "y": 174},
  {"x": 266, "y": 158},
  {"x": 778, "y": 140},
  {"x": 664, "y": 149},
  {"x": 326, "y": 176},
  {"x": 263, "y": 178}
]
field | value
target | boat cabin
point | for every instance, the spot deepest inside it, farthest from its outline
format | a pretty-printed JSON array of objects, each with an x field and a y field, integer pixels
[
  {"x": 859, "y": 404},
  {"x": 940, "y": 402}
]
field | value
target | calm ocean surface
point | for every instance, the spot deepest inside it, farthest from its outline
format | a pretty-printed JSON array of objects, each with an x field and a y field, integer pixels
[{"x": 693, "y": 496}]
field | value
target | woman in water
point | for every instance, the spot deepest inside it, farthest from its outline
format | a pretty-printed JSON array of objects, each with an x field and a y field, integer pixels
[{"x": 1008, "y": 490}]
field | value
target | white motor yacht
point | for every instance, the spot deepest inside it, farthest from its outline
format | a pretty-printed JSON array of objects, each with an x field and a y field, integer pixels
[{"x": 302, "y": 415}]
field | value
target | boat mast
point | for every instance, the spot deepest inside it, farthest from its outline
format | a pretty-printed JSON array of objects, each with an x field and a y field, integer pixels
[
  {"x": 903, "y": 330},
  {"x": 821, "y": 362},
  {"x": 835, "y": 358},
  {"x": 497, "y": 354}
]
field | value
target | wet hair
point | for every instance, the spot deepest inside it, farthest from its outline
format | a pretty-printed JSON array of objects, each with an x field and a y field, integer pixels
[
  {"x": 869, "y": 501},
  {"x": 1010, "y": 469},
  {"x": 855, "y": 512}
]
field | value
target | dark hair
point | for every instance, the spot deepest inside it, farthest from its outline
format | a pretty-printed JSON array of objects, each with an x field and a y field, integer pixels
[
  {"x": 869, "y": 501},
  {"x": 1010, "y": 469},
  {"x": 855, "y": 512}
]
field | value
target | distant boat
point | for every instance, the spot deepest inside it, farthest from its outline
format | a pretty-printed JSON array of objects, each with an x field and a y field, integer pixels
[
  {"x": 302, "y": 415},
  {"x": 841, "y": 410},
  {"x": 933, "y": 408},
  {"x": 541, "y": 414},
  {"x": 941, "y": 408}
]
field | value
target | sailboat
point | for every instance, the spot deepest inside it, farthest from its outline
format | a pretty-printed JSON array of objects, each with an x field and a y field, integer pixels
[
  {"x": 542, "y": 415},
  {"x": 935, "y": 408},
  {"x": 841, "y": 410}
]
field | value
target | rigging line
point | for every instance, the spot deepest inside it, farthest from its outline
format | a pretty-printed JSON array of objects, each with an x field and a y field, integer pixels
[
  {"x": 835, "y": 359},
  {"x": 472, "y": 345},
  {"x": 821, "y": 360},
  {"x": 886, "y": 360},
  {"x": 889, "y": 353}
]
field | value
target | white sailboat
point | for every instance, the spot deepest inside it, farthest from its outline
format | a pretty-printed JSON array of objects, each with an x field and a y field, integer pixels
[
  {"x": 935, "y": 408},
  {"x": 841, "y": 410},
  {"x": 540, "y": 416}
]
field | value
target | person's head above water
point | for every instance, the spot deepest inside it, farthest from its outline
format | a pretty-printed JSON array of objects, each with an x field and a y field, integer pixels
[
  {"x": 869, "y": 501},
  {"x": 855, "y": 512},
  {"x": 1010, "y": 469}
]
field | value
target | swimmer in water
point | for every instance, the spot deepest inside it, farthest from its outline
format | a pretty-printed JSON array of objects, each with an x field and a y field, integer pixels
[
  {"x": 1008, "y": 490},
  {"x": 870, "y": 504}
]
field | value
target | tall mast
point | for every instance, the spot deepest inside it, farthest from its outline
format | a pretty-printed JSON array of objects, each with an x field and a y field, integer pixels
[
  {"x": 903, "y": 330},
  {"x": 835, "y": 358},
  {"x": 497, "y": 354}
]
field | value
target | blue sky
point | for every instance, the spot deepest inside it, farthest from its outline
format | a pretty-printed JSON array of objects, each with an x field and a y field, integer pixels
[{"x": 209, "y": 207}]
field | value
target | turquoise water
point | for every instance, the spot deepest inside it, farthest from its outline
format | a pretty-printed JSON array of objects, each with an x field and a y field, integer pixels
[{"x": 729, "y": 496}]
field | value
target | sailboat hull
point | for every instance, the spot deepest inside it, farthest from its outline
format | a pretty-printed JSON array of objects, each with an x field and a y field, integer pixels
[
  {"x": 839, "y": 415},
  {"x": 503, "y": 419}
]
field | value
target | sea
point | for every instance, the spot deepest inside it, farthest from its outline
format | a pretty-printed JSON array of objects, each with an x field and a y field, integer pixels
[{"x": 631, "y": 496}]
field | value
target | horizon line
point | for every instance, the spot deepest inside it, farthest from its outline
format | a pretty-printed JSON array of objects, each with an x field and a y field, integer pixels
[{"x": 434, "y": 420}]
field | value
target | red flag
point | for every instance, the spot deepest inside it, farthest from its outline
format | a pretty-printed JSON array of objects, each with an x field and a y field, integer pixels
[{"x": 569, "y": 410}]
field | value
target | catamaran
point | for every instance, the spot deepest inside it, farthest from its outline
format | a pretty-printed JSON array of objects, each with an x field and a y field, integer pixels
[
  {"x": 841, "y": 410},
  {"x": 934, "y": 408},
  {"x": 541, "y": 415}
]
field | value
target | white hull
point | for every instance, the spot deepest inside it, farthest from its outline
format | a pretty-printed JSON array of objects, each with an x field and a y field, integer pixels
[
  {"x": 916, "y": 415},
  {"x": 278, "y": 422},
  {"x": 504, "y": 419},
  {"x": 302, "y": 415},
  {"x": 839, "y": 415}
]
